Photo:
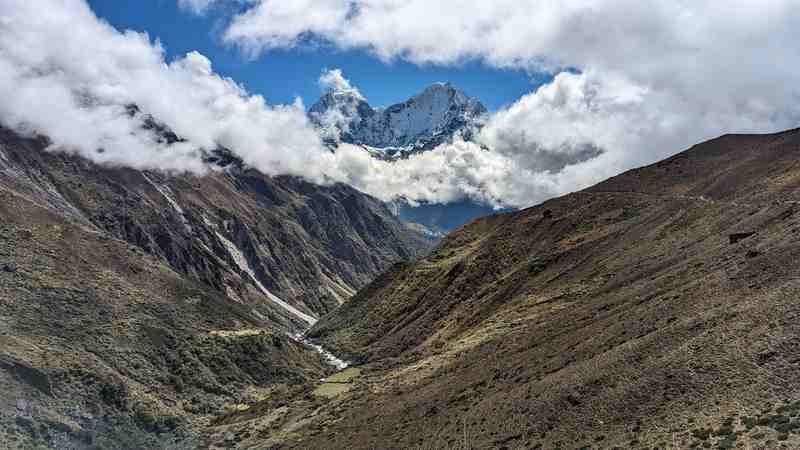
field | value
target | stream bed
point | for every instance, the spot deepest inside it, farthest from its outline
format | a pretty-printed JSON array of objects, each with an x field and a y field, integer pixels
[{"x": 330, "y": 358}]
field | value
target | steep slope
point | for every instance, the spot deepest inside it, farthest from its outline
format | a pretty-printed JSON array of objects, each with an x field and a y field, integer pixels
[
  {"x": 135, "y": 305},
  {"x": 310, "y": 245},
  {"x": 656, "y": 309}
]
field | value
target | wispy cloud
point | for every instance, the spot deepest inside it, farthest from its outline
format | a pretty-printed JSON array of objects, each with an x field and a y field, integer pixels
[
  {"x": 196, "y": 6},
  {"x": 68, "y": 75}
]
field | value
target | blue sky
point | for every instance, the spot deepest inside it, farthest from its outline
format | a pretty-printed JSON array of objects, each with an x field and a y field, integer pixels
[
  {"x": 282, "y": 75},
  {"x": 659, "y": 93}
]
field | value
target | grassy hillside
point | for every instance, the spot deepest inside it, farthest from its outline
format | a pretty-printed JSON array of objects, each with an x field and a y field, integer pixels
[{"x": 655, "y": 310}]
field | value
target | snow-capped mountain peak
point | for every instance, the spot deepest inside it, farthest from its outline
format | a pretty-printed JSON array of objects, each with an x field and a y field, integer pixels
[
  {"x": 434, "y": 116},
  {"x": 336, "y": 111}
]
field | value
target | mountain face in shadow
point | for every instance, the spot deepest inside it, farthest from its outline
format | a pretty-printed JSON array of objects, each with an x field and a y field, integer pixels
[{"x": 443, "y": 218}]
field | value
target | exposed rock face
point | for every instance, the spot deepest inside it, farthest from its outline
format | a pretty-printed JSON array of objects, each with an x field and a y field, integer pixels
[
  {"x": 620, "y": 316},
  {"x": 310, "y": 245},
  {"x": 134, "y": 303},
  {"x": 432, "y": 117}
]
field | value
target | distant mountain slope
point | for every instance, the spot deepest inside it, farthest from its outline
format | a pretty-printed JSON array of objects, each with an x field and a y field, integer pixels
[
  {"x": 133, "y": 303},
  {"x": 432, "y": 117},
  {"x": 656, "y": 309},
  {"x": 443, "y": 218}
]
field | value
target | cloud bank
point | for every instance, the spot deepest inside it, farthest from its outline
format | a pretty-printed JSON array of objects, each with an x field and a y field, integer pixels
[
  {"x": 65, "y": 74},
  {"x": 633, "y": 81}
]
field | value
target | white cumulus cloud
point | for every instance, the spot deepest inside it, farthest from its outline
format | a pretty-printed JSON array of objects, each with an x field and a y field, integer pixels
[
  {"x": 70, "y": 76},
  {"x": 333, "y": 80},
  {"x": 634, "y": 81}
]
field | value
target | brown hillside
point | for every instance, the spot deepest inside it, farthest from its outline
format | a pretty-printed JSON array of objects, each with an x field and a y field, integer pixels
[{"x": 658, "y": 309}]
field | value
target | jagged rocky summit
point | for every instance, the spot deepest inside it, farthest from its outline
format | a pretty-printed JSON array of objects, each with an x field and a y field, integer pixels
[{"x": 435, "y": 116}]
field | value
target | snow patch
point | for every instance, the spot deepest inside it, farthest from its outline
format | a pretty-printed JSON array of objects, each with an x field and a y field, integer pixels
[
  {"x": 244, "y": 266},
  {"x": 166, "y": 192}
]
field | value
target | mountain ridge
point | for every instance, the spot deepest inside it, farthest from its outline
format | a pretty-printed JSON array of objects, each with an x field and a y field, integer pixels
[{"x": 427, "y": 119}]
